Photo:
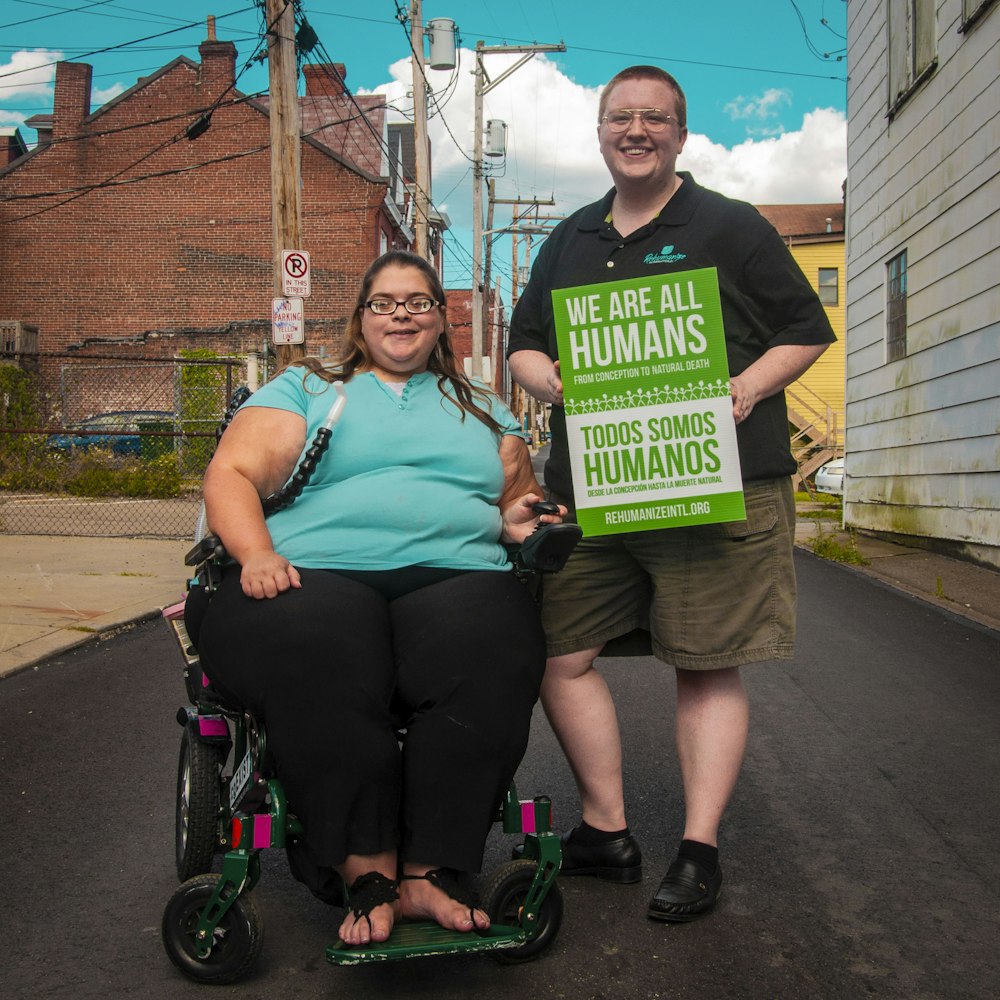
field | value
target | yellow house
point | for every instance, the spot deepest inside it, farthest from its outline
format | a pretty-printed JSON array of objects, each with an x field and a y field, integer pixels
[{"x": 815, "y": 235}]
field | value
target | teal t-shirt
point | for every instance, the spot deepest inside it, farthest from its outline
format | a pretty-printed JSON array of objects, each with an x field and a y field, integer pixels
[{"x": 404, "y": 482}]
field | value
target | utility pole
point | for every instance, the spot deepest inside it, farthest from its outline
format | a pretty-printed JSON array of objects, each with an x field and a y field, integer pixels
[
  {"x": 423, "y": 178},
  {"x": 517, "y": 218},
  {"x": 484, "y": 318},
  {"x": 483, "y": 86},
  {"x": 286, "y": 152},
  {"x": 522, "y": 404}
]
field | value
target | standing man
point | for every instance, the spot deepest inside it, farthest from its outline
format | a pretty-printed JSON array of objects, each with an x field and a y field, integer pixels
[{"x": 713, "y": 597}]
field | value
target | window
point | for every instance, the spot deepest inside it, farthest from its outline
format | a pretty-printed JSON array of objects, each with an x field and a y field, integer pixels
[
  {"x": 972, "y": 11},
  {"x": 829, "y": 293},
  {"x": 912, "y": 26},
  {"x": 895, "y": 309}
]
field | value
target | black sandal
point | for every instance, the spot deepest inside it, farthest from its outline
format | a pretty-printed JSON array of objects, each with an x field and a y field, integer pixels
[
  {"x": 368, "y": 891},
  {"x": 450, "y": 883}
]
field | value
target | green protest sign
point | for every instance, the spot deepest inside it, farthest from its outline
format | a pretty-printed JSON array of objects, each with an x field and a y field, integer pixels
[{"x": 649, "y": 419}]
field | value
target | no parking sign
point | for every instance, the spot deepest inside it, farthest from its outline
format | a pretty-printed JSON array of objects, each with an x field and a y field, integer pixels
[
  {"x": 296, "y": 278},
  {"x": 287, "y": 321}
]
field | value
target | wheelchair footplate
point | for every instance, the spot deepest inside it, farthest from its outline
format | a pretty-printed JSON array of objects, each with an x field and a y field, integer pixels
[
  {"x": 422, "y": 938},
  {"x": 523, "y": 902}
]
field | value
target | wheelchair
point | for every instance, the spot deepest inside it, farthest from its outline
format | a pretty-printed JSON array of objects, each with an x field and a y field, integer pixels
[{"x": 229, "y": 803}]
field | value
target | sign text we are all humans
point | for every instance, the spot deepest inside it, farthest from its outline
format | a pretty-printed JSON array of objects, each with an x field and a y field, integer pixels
[{"x": 648, "y": 412}]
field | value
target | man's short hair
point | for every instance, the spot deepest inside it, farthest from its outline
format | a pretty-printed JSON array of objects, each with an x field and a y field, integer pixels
[{"x": 645, "y": 73}]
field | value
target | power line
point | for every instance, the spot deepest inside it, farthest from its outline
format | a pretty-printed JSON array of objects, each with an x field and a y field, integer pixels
[
  {"x": 376, "y": 134},
  {"x": 402, "y": 18},
  {"x": 192, "y": 131},
  {"x": 837, "y": 56},
  {"x": 123, "y": 45},
  {"x": 208, "y": 109},
  {"x": 59, "y": 10}
]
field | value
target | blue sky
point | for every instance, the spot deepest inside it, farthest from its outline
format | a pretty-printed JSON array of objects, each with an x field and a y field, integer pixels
[{"x": 766, "y": 90}]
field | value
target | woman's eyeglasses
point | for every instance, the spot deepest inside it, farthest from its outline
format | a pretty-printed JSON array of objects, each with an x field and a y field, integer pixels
[{"x": 415, "y": 304}]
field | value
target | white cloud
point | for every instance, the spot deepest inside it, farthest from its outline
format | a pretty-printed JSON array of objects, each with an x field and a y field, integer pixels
[
  {"x": 761, "y": 108},
  {"x": 552, "y": 143},
  {"x": 99, "y": 97},
  {"x": 29, "y": 74},
  {"x": 808, "y": 165}
]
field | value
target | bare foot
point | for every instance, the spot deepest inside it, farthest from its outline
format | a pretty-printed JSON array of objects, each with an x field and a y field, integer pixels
[
  {"x": 422, "y": 899},
  {"x": 360, "y": 931},
  {"x": 373, "y": 902}
]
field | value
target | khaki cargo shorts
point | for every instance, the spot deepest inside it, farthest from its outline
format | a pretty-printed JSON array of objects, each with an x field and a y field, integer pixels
[{"x": 711, "y": 596}]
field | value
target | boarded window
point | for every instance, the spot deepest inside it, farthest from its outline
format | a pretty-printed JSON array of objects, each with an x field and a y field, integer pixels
[
  {"x": 828, "y": 287},
  {"x": 895, "y": 308}
]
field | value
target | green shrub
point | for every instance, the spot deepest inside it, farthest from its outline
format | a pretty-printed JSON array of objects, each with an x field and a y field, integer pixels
[
  {"x": 19, "y": 402},
  {"x": 98, "y": 473},
  {"x": 24, "y": 461},
  {"x": 26, "y": 464},
  {"x": 201, "y": 405}
]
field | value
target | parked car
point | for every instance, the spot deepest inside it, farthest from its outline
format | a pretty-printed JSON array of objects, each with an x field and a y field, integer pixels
[
  {"x": 118, "y": 432},
  {"x": 830, "y": 477}
]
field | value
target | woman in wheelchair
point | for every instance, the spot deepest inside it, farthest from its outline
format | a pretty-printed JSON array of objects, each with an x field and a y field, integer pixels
[{"x": 381, "y": 599}]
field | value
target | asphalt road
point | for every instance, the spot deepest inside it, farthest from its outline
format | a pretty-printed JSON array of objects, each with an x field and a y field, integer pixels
[{"x": 860, "y": 850}]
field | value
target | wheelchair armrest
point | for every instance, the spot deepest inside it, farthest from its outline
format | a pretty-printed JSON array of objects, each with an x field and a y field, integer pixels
[
  {"x": 548, "y": 547},
  {"x": 209, "y": 547}
]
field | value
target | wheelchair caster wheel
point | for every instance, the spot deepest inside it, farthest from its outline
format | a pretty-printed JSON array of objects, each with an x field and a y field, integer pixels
[
  {"x": 197, "y": 817},
  {"x": 237, "y": 938},
  {"x": 503, "y": 897}
]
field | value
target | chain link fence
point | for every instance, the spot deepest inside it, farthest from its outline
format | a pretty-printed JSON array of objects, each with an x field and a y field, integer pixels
[{"x": 109, "y": 445}]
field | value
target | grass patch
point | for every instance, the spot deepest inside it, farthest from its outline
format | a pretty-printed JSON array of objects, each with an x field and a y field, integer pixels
[
  {"x": 828, "y": 547},
  {"x": 829, "y": 499},
  {"x": 825, "y": 513}
]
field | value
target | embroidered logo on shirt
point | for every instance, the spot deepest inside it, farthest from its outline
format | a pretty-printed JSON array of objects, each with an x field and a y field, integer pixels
[{"x": 665, "y": 256}]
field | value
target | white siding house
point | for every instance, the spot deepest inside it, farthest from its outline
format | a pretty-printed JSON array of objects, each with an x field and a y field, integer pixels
[{"x": 923, "y": 274}]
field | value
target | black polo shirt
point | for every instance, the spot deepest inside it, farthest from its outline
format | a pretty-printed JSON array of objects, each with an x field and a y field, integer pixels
[{"x": 766, "y": 299}]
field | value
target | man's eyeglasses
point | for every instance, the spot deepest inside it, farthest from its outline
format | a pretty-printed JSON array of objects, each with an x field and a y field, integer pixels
[
  {"x": 415, "y": 304},
  {"x": 653, "y": 119}
]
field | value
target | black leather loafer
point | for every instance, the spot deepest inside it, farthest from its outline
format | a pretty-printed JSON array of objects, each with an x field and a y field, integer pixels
[
  {"x": 687, "y": 891},
  {"x": 617, "y": 860}
]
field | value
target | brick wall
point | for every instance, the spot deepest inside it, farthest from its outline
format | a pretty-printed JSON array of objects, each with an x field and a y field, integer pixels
[{"x": 180, "y": 255}]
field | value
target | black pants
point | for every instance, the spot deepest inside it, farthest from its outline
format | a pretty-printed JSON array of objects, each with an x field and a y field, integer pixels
[{"x": 334, "y": 667}]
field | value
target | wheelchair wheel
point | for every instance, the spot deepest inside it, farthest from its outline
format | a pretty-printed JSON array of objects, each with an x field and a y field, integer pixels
[
  {"x": 503, "y": 896},
  {"x": 197, "y": 818},
  {"x": 238, "y": 936}
]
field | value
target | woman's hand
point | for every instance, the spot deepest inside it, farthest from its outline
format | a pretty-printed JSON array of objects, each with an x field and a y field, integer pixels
[
  {"x": 519, "y": 520},
  {"x": 266, "y": 574}
]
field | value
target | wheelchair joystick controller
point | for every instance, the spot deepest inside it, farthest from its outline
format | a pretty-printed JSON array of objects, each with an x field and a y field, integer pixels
[{"x": 545, "y": 507}]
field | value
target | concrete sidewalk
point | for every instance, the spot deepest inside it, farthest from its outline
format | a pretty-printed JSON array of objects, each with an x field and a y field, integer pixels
[
  {"x": 954, "y": 585},
  {"x": 61, "y": 592}
]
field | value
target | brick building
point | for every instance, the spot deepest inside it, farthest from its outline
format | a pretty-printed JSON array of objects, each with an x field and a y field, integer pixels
[
  {"x": 495, "y": 371},
  {"x": 123, "y": 235}
]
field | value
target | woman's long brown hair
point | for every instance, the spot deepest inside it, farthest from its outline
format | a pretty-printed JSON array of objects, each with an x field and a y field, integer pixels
[{"x": 354, "y": 358}]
